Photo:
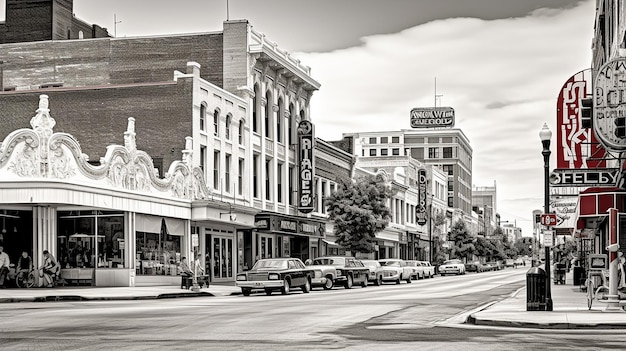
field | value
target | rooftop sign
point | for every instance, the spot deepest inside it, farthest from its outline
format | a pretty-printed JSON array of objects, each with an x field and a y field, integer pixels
[{"x": 430, "y": 117}]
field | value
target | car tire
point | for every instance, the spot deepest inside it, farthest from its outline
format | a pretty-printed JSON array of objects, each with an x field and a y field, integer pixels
[
  {"x": 306, "y": 288},
  {"x": 268, "y": 292},
  {"x": 398, "y": 281},
  {"x": 364, "y": 283},
  {"x": 329, "y": 283},
  {"x": 349, "y": 282},
  {"x": 285, "y": 289},
  {"x": 246, "y": 291},
  {"x": 408, "y": 280},
  {"x": 378, "y": 281}
]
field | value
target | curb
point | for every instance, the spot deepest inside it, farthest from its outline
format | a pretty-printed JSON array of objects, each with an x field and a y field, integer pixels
[{"x": 54, "y": 298}]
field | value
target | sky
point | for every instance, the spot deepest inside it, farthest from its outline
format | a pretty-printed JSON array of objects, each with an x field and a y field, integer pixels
[{"x": 499, "y": 63}]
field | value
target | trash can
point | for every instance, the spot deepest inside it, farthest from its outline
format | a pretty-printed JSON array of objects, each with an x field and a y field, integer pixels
[
  {"x": 536, "y": 289},
  {"x": 579, "y": 277}
]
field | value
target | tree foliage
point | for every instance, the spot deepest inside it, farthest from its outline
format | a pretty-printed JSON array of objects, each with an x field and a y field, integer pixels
[
  {"x": 359, "y": 211},
  {"x": 463, "y": 241}
]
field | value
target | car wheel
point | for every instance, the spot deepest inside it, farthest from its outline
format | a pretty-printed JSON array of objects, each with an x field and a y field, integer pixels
[
  {"x": 268, "y": 292},
  {"x": 398, "y": 281},
  {"x": 329, "y": 283},
  {"x": 349, "y": 282},
  {"x": 408, "y": 280},
  {"x": 364, "y": 283},
  {"x": 307, "y": 286},
  {"x": 378, "y": 281},
  {"x": 246, "y": 291},
  {"x": 285, "y": 289}
]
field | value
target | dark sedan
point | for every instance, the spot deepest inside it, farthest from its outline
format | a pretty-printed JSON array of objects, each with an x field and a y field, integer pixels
[
  {"x": 275, "y": 274},
  {"x": 475, "y": 266}
]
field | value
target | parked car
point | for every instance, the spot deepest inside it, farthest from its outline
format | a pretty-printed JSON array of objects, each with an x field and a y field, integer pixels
[
  {"x": 275, "y": 274},
  {"x": 497, "y": 265},
  {"x": 416, "y": 267},
  {"x": 429, "y": 269},
  {"x": 349, "y": 270},
  {"x": 375, "y": 271},
  {"x": 488, "y": 267},
  {"x": 510, "y": 263},
  {"x": 454, "y": 266},
  {"x": 474, "y": 266},
  {"x": 395, "y": 270}
]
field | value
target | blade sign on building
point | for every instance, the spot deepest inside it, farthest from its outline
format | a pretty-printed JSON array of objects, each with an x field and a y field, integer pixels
[
  {"x": 432, "y": 117},
  {"x": 420, "y": 211},
  {"x": 577, "y": 147},
  {"x": 609, "y": 105},
  {"x": 306, "y": 139}
]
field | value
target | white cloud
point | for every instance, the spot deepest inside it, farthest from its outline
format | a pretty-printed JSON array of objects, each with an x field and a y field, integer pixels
[{"x": 502, "y": 77}]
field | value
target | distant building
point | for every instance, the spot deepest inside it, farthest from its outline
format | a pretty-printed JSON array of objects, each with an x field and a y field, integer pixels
[
  {"x": 484, "y": 203},
  {"x": 39, "y": 20}
]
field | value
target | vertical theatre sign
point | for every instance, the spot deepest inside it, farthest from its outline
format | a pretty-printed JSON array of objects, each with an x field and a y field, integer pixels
[
  {"x": 577, "y": 147},
  {"x": 306, "y": 139},
  {"x": 421, "y": 198}
]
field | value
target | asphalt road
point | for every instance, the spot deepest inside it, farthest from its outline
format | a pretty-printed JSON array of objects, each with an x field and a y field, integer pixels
[{"x": 424, "y": 315}]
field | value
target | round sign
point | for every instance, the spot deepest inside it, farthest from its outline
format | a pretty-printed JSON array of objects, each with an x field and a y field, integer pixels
[{"x": 609, "y": 105}]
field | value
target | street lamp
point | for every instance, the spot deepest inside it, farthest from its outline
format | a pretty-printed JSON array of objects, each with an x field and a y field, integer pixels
[{"x": 545, "y": 135}]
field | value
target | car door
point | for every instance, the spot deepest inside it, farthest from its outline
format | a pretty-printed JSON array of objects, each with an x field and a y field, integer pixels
[{"x": 295, "y": 273}]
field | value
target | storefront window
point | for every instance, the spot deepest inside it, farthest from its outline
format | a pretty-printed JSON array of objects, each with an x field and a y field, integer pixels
[
  {"x": 158, "y": 253},
  {"x": 77, "y": 238}
]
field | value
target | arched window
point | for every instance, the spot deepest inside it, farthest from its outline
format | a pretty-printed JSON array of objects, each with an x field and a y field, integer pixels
[
  {"x": 255, "y": 106},
  {"x": 240, "y": 136},
  {"x": 203, "y": 117},
  {"x": 227, "y": 126},
  {"x": 216, "y": 122},
  {"x": 279, "y": 118},
  {"x": 268, "y": 114}
]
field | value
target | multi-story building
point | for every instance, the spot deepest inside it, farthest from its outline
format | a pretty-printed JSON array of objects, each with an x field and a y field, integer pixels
[
  {"x": 485, "y": 205},
  {"x": 236, "y": 95}
]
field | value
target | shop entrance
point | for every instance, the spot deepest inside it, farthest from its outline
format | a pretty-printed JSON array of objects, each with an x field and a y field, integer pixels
[
  {"x": 223, "y": 257},
  {"x": 266, "y": 246}
]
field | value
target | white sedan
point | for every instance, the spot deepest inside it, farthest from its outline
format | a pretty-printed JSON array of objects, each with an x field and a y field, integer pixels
[{"x": 452, "y": 267}]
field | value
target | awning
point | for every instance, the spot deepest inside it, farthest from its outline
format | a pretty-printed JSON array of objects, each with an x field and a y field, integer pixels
[
  {"x": 147, "y": 223},
  {"x": 331, "y": 243},
  {"x": 174, "y": 226}
]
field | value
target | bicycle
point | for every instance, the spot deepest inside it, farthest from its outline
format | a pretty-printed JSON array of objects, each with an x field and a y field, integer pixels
[
  {"x": 599, "y": 292},
  {"x": 23, "y": 280}
]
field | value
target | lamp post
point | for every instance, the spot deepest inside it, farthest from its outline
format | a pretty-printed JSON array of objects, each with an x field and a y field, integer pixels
[{"x": 545, "y": 135}]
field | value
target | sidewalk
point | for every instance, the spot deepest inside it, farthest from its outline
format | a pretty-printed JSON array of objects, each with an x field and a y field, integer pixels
[
  {"x": 569, "y": 312},
  {"x": 91, "y": 293}
]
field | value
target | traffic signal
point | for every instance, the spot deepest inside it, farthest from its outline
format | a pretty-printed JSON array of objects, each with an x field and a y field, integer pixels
[
  {"x": 620, "y": 127},
  {"x": 586, "y": 113}
]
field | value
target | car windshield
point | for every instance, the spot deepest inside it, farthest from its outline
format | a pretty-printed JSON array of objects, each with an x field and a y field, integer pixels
[
  {"x": 329, "y": 261},
  {"x": 452, "y": 262},
  {"x": 390, "y": 263},
  {"x": 278, "y": 264},
  {"x": 370, "y": 263}
]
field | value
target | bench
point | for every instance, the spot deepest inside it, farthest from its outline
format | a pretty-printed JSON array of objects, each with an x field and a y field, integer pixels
[{"x": 186, "y": 282}]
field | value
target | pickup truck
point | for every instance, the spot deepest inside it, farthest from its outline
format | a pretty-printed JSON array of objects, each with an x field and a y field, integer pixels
[
  {"x": 429, "y": 269},
  {"x": 348, "y": 271}
]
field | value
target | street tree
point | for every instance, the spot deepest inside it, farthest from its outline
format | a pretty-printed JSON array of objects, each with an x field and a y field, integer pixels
[
  {"x": 463, "y": 241},
  {"x": 359, "y": 211}
]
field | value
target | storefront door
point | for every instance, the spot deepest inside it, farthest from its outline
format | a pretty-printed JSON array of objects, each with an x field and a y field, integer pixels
[
  {"x": 223, "y": 257},
  {"x": 266, "y": 246}
]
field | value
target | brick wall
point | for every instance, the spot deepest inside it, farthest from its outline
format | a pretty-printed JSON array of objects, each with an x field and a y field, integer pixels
[
  {"x": 99, "y": 117},
  {"x": 110, "y": 61}
]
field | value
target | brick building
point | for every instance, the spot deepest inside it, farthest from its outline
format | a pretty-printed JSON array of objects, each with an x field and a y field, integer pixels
[{"x": 229, "y": 100}]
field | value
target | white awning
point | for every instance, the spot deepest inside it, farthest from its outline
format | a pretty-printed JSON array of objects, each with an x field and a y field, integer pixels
[
  {"x": 175, "y": 226},
  {"x": 147, "y": 223},
  {"x": 331, "y": 243}
]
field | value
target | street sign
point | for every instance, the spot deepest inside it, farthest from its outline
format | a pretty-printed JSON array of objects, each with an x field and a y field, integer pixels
[
  {"x": 548, "y": 219},
  {"x": 547, "y": 238}
]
